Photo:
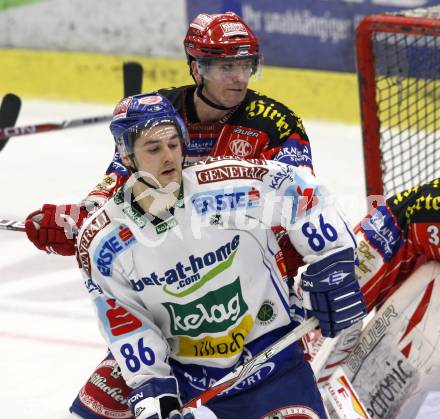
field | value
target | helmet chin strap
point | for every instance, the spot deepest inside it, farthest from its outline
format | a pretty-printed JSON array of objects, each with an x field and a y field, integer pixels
[
  {"x": 210, "y": 103},
  {"x": 133, "y": 169},
  {"x": 142, "y": 180}
]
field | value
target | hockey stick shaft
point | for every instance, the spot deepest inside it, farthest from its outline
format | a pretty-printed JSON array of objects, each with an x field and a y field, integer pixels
[
  {"x": 246, "y": 369},
  {"x": 9, "y": 132},
  {"x": 11, "y": 225}
]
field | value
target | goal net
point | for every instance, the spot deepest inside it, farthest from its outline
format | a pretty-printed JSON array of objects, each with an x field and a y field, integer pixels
[{"x": 398, "y": 62}]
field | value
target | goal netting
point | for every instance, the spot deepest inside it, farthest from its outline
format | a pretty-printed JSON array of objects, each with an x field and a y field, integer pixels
[{"x": 398, "y": 60}]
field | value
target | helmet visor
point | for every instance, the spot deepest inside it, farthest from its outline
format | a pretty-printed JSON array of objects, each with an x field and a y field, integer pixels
[
  {"x": 242, "y": 69},
  {"x": 154, "y": 130}
]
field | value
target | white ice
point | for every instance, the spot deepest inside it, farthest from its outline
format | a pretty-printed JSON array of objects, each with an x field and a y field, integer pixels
[{"x": 49, "y": 340}]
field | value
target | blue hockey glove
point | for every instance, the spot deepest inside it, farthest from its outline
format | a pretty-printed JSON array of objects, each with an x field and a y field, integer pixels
[
  {"x": 331, "y": 292},
  {"x": 155, "y": 399}
]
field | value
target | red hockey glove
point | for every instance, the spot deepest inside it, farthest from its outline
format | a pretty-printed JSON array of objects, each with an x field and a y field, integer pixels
[{"x": 53, "y": 227}]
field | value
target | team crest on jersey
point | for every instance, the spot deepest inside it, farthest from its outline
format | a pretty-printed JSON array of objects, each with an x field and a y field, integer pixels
[
  {"x": 241, "y": 148},
  {"x": 240, "y": 141},
  {"x": 267, "y": 313}
]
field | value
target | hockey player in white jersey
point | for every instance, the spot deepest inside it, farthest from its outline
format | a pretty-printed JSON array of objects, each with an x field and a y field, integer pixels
[{"x": 187, "y": 276}]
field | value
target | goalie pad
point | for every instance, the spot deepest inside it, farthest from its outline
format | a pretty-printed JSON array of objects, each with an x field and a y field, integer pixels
[
  {"x": 341, "y": 399},
  {"x": 397, "y": 358}
]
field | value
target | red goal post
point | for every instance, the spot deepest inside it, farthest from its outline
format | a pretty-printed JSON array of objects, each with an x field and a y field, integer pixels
[{"x": 398, "y": 64}]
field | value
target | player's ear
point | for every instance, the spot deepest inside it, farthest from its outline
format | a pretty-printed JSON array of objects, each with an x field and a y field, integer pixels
[{"x": 195, "y": 71}]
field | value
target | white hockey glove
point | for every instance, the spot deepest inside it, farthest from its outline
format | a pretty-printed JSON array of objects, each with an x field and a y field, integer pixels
[
  {"x": 201, "y": 412},
  {"x": 155, "y": 399}
]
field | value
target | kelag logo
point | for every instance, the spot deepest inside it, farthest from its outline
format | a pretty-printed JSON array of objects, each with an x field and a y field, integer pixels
[
  {"x": 213, "y": 313},
  {"x": 219, "y": 200},
  {"x": 187, "y": 273},
  {"x": 110, "y": 246}
]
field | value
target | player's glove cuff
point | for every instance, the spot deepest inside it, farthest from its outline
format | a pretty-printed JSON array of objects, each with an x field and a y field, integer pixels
[
  {"x": 331, "y": 292},
  {"x": 155, "y": 399}
]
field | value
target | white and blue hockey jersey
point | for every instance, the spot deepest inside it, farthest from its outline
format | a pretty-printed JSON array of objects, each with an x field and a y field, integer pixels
[{"x": 195, "y": 293}]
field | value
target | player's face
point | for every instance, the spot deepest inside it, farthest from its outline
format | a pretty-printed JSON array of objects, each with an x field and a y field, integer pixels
[
  {"x": 226, "y": 81},
  {"x": 157, "y": 151}
]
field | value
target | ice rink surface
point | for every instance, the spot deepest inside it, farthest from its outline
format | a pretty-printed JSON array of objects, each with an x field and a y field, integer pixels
[{"x": 49, "y": 340}]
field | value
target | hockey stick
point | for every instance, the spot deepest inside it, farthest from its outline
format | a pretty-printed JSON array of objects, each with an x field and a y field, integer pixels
[
  {"x": 11, "y": 225},
  {"x": 9, "y": 110},
  {"x": 9, "y": 132},
  {"x": 244, "y": 370},
  {"x": 132, "y": 75}
]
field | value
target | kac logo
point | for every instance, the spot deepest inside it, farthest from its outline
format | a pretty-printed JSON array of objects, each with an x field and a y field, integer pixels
[{"x": 241, "y": 148}]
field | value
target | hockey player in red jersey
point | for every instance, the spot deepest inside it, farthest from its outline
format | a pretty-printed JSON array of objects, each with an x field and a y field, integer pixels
[
  {"x": 397, "y": 237},
  {"x": 222, "y": 115}
]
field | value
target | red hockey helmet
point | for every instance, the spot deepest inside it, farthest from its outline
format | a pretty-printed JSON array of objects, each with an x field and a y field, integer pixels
[{"x": 221, "y": 36}]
